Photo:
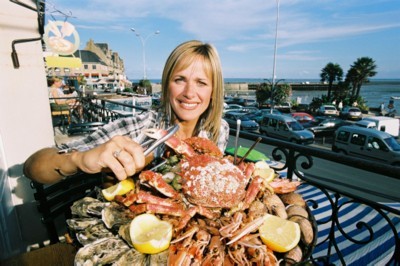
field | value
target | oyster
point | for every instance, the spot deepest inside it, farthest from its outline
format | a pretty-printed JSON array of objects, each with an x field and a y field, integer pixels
[
  {"x": 80, "y": 207},
  {"x": 78, "y": 224},
  {"x": 124, "y": 232},
  {"x": 159, "y": 258},
  {"x": 93, "y": 233},
  {"x": 132, "y": 257},
  {"x": 116, "y": 215},
  {"x": 101, "y": 252},
  {"x": 96, "y": 207}
]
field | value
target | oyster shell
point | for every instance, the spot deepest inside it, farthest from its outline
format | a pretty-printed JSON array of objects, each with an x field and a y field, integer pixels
[
  {"x": 101, "y": 252},
  {"x": 78, "y": 224},
  {"x": 124, "y": 232},
  {"x": 116, "y": 215},
  {"x": 159, "y": 258},
  {"x": 93, "y": 233},
  {"x": 95, "y": 208},
  {"x": 132, "y": 257},
  {"x": 79, "y": 208}
]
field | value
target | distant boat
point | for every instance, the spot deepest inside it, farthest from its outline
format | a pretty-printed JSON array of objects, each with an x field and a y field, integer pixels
[{"x": 395, "y": 97}]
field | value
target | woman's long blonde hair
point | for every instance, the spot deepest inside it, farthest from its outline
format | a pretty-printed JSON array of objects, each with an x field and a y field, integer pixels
[{"x": 180, "y": 58}]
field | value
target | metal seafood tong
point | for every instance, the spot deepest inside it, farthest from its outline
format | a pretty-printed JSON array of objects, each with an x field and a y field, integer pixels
[{"x": 171, "y": 131}]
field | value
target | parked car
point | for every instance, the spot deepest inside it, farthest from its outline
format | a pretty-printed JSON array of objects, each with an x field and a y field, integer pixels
[
  {"x": 327, "y": 110},
  {"x": 257, "y": 116},
  {"x": 250, "y": 109},
  {"x": 351, "y": 113},
  {"x": 232, "y": 107},
  {"x": 325, "y": 125},
  {"x": 302, "y": 117},
  {"x": 285, "y": 127},
  {"x": 284, "y": 107},
  {"x": 367, "y": 143},
  {"x": 302, "y": 107},
  {"x": 245, "y": 123}
]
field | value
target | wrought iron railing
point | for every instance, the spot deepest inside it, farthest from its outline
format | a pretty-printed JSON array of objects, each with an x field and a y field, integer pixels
[
  {"x": 373, "y": 229},
  {"x": 90, "y": 111}
]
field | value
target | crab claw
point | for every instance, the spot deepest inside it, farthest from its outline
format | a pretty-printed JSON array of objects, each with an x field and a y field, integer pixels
[{"x": 176, "y": 144}]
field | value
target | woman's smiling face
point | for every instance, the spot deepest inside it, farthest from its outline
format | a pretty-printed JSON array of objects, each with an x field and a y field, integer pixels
[{"x": 190, "y": 91}]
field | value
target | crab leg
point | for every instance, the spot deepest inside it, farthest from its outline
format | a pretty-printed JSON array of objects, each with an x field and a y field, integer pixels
[
  {"x": 155, "y": 179},
  {"x": 155, "y": 208},
  {"x": 248, "y": 228},
  {"x": 252, "y": 191},
  {"x": 282, "y": 186}
]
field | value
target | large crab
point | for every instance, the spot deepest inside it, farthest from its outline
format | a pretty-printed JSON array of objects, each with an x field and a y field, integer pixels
[
  {"x": 208, "y": 179},
  {"x": 209, "y": 182}
]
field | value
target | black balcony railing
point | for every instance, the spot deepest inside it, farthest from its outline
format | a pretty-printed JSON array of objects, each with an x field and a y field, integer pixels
[
  {"x": 90, "y": 112},
  {"x": 351, "y": 223},
  {"x": 371, "y": 229}
]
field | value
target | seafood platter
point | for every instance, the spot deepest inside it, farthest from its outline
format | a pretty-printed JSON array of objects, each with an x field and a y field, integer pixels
[{"x": 204, "y": 208}]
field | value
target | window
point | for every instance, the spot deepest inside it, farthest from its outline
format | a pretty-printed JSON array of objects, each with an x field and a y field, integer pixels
[
  {"x": 93, "y": 66},
  {"x": 343, "y": 136},
  {"x": 282, "y": 125},
  {"x": 85, "y": 66},
  {"x": 273, "y": 122},
  {"x": 358, "y": 139},
  {"x": 375, "y": 143}
]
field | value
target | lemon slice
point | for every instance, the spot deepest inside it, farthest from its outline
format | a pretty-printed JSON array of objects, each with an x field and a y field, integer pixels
[
  {"x": 279, "y": 234},
  {"x": 149, "y": 234},
  {"x": 262, "y": 169},
  {"x": 120, "y": 188}
]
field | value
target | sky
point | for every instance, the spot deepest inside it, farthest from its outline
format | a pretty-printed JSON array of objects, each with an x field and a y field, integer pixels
[{"x": 310, "y": 34}]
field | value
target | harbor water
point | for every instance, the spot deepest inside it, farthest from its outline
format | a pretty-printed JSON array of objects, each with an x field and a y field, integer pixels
[{"x": 374, "y": 92}]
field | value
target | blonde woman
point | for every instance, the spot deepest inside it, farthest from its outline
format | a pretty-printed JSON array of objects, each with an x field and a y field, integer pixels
[{"x": 192, "y": 96}]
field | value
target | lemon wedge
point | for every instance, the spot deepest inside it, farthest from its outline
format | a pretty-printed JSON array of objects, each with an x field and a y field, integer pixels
[
  {"x": 149, "y": 234},
  {"x": 262, "y": 169},
  {"x": 279, "y": 234},
  {"x": 121, "y": 188}
]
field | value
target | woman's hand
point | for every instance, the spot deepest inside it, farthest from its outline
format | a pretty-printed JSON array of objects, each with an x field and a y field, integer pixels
[{"x": 120, "y": 154}]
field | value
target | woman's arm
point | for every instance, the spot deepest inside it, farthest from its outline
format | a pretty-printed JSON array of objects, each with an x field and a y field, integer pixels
[
  {"x": 56, "y": 96},
  {"x": 120, "y": 155}
]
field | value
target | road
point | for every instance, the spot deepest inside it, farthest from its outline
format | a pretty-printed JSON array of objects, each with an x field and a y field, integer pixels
[{"x": 345, "y": 178}]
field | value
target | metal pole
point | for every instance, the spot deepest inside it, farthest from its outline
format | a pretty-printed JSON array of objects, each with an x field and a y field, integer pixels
[
  {"x": 275, "y": 49},
  {"x": 143, "y": 42}
]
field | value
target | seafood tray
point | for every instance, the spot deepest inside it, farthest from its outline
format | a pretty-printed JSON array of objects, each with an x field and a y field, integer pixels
[{"x": 212, "y": 229}]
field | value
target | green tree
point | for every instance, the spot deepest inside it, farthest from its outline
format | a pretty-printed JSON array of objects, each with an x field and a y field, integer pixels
[
  {"x": 145, "y": 83},
  {"x": 282, "y": 93},
  {"x": 263, "y": 93},
  {"x": 358, "y": 74},
  {"x": 331, "y": 73}
]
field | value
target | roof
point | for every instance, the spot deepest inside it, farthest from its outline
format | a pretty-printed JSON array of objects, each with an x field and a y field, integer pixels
[
  {"x": 282, "y": 117},
  {"x": 88, "y": 57},
  {"x": 366, "y": 131}
]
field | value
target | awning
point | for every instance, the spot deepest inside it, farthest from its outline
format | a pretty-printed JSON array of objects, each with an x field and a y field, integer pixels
[{"x": 67, "y": 62}]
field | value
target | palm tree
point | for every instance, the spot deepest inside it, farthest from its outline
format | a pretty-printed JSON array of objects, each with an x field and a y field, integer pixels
[
  {"x": 362, "y": 69},
  {"x": 331, "y": 72},
  {"x": 352, "y": 79}
]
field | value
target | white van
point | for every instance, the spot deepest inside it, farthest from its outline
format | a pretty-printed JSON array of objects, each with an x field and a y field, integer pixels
[
  {"x": 367, "y": 143},
  {"x": 381, "y": 123},
  {"x": 285, "y": 127}
]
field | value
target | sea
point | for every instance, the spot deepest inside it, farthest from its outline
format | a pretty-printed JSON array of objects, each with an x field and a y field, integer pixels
[{"x": 374, "y": 92}]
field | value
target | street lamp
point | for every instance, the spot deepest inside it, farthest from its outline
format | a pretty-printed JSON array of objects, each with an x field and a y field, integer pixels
[
  {"x": 143, "y": 41},
  {"x": 275, "y": 48}
]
